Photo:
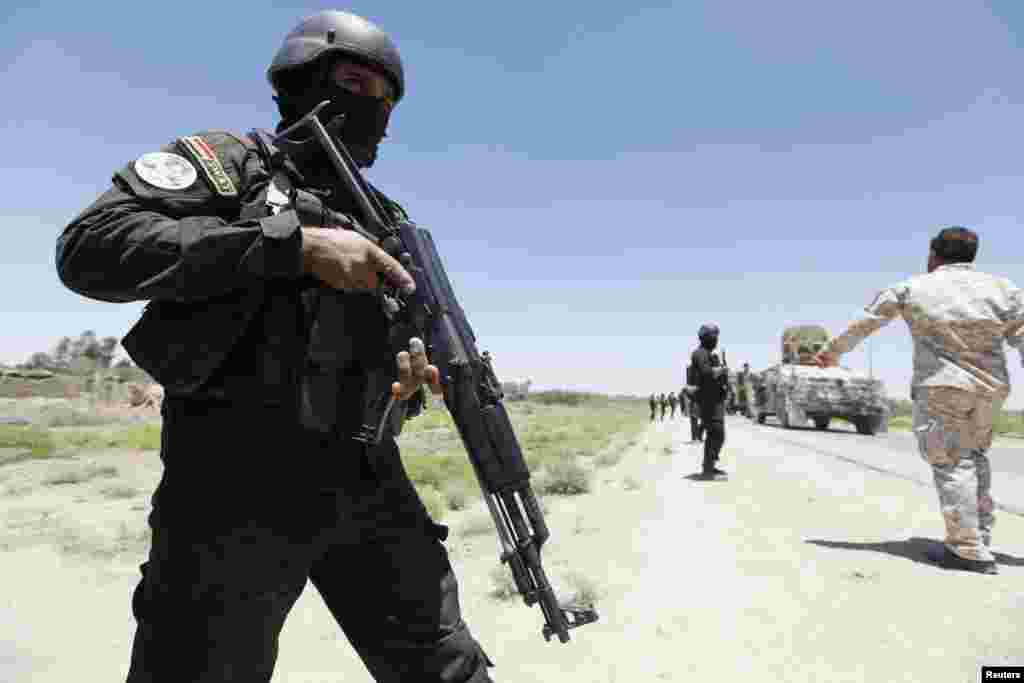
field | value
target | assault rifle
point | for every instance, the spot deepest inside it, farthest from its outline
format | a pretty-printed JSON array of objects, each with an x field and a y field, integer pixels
[{"x": 472, "y": 392}]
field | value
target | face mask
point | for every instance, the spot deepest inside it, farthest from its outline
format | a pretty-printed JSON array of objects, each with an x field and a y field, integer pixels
[
  {"x": 709, "y": 343},
  {"x": 366, "y": 119}
]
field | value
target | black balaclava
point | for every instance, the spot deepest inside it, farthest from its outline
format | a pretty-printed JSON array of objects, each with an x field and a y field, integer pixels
[
  {"x": 708, "y": 336},
  {"x": 366, "y": 118}
]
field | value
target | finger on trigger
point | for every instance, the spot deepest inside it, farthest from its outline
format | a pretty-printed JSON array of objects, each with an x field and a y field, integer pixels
[
  {"x": 404, "y": 367},
  {"x": 393, "y": 271},
  {"x": 435, "y": 380}
]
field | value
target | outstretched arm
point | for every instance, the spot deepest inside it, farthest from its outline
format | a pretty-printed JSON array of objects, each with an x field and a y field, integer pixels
[
  {"x": 876, "y": 315},
  {"x": 1015, "y": 323}
]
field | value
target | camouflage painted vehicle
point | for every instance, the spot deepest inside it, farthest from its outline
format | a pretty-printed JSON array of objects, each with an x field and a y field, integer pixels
[{"x": 797, "y": 391}]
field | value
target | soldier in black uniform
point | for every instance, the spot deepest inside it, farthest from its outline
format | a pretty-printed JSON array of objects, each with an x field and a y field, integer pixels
[
  {"x": 263, "y": 326},
  {"x": 696, "y": 428},
  {"x": 712, "y": 389},
  {"x": 664, "y": 404},
  {"x": 654, "y": 406},
  {"x": 682, "y": 402},
  {"x": 672, "y": 404}
]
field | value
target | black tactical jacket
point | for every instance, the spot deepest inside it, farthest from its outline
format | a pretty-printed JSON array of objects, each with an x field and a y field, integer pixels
[
  {"x": 709, "y": 388},
  {"x": 230, "y": 313}
]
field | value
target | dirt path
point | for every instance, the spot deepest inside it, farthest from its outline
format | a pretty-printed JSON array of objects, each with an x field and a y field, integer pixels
[{"x": 799, "y": 568}]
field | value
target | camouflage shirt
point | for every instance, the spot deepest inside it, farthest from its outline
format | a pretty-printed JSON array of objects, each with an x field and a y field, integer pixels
[{"x": 958, "y": 318}]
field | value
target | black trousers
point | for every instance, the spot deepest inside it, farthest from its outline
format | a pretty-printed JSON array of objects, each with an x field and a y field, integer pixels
[
  {"x": 695, "y": 426},
  {"x": 712, "y": 417},
  {"x": 247, "y": 511}
]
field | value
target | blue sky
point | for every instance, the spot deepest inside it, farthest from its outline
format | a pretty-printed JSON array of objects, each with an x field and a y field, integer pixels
[{"x": 601, "y": 178}]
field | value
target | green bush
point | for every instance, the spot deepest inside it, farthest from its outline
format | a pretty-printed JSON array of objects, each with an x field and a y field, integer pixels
[
  {"x": 144, "y": 437},
  {"x": 29, "y": 442}
]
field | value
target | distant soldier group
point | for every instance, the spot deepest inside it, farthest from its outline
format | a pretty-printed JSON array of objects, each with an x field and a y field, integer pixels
[{"x": 668, "y": 402}]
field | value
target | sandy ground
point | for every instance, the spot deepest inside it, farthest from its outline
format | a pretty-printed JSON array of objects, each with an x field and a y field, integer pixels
[{"x": 805, "y": 565}]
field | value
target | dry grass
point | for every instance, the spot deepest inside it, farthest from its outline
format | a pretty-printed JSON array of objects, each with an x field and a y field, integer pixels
[{"x": 631, "y": 483}]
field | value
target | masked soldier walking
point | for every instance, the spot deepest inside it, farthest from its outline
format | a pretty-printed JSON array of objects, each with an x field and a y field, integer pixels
[
  {"x": 958, "y": 317},
  {"x": 712, "y": 389},
  {"x": 263, "y": 325}
]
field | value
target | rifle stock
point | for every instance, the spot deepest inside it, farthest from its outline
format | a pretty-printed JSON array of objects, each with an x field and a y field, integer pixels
[{"x": 472, "y": 392}]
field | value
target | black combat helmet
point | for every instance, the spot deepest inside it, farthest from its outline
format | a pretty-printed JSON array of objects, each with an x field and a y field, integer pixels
[
  {"x": 300, "y": 75},
  {"x": 342, "y": 33},
  {"x": 709, "y": 330}
]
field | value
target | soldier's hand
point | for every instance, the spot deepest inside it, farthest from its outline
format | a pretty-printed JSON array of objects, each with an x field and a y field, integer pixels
[
  {"x": 826, "y": 359},
  {"x": 346, "y": 260},
  {"x": 414, "y": 371}
]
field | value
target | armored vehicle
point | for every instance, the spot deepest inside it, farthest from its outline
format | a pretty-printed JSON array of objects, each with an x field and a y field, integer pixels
[{"x": 797, "y": 391}]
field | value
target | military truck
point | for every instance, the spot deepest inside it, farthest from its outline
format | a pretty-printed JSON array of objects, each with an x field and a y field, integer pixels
[{"x": 797, "y": 391}]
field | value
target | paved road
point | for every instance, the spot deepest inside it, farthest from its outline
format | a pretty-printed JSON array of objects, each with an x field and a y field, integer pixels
[{"x": 895, "y": 454}]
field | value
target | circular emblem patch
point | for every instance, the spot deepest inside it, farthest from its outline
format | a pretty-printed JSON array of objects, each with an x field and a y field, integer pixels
[{"x": 166, "y": 171}]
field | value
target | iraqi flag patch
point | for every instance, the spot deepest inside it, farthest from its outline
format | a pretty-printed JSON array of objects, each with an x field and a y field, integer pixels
[{"x": 203, "y": 153}]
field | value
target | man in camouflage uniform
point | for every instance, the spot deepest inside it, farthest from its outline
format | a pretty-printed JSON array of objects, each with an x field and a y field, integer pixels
[
  {"x": 682, "y": 402},
  {"x": 654, "y": 406},
  {"x": 958, "y": 318},
  {"x": 672, "y": 404},
  {"x": 663, "y": 402},
  {"x": 264, "y": 326}
]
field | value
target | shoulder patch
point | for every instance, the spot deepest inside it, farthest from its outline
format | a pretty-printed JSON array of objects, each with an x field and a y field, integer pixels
[
  {"x": 165, "y": 170},
  {"x": 203, "y": 153}
]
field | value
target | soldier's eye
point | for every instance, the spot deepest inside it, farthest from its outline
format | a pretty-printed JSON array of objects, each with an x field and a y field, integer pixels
[{"x": 352, "y": 84}]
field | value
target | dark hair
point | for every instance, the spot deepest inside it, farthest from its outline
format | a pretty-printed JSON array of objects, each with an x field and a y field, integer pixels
[{"x": 955, "y": 244}]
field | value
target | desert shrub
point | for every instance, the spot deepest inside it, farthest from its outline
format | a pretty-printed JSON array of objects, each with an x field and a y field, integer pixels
[
  {"x": 119, "y": 491},
  {"x": 609, "y": 457},
  {"x": 30, "y": 441},
  {"x": 70, "y": 416},
  {"x": 457, "y": 494},
  {"x": 80, "y": 474},
  {"x": 1007, "y": 422},
  {"x": 435, "y": 469},
  {"x": 477, "y": 525},
  {"x": 631, "y": 483},
  {"x": 503, "y": 586},
  {"x": 564, "y": 477},
  {"x": 434, "y": 501},
  {"x": 582, "y": 590},
  {"x": 561, "y": 396},
  {"x": 144, "y": 437}
]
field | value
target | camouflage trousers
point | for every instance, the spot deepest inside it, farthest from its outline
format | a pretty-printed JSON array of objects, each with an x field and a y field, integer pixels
[{"x": 954, "y": 432}]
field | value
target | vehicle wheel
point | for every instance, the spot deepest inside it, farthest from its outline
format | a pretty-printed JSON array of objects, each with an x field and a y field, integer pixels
[
  {"x": 822, "y": 422},
  {"x": 865, "y": 425}
]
